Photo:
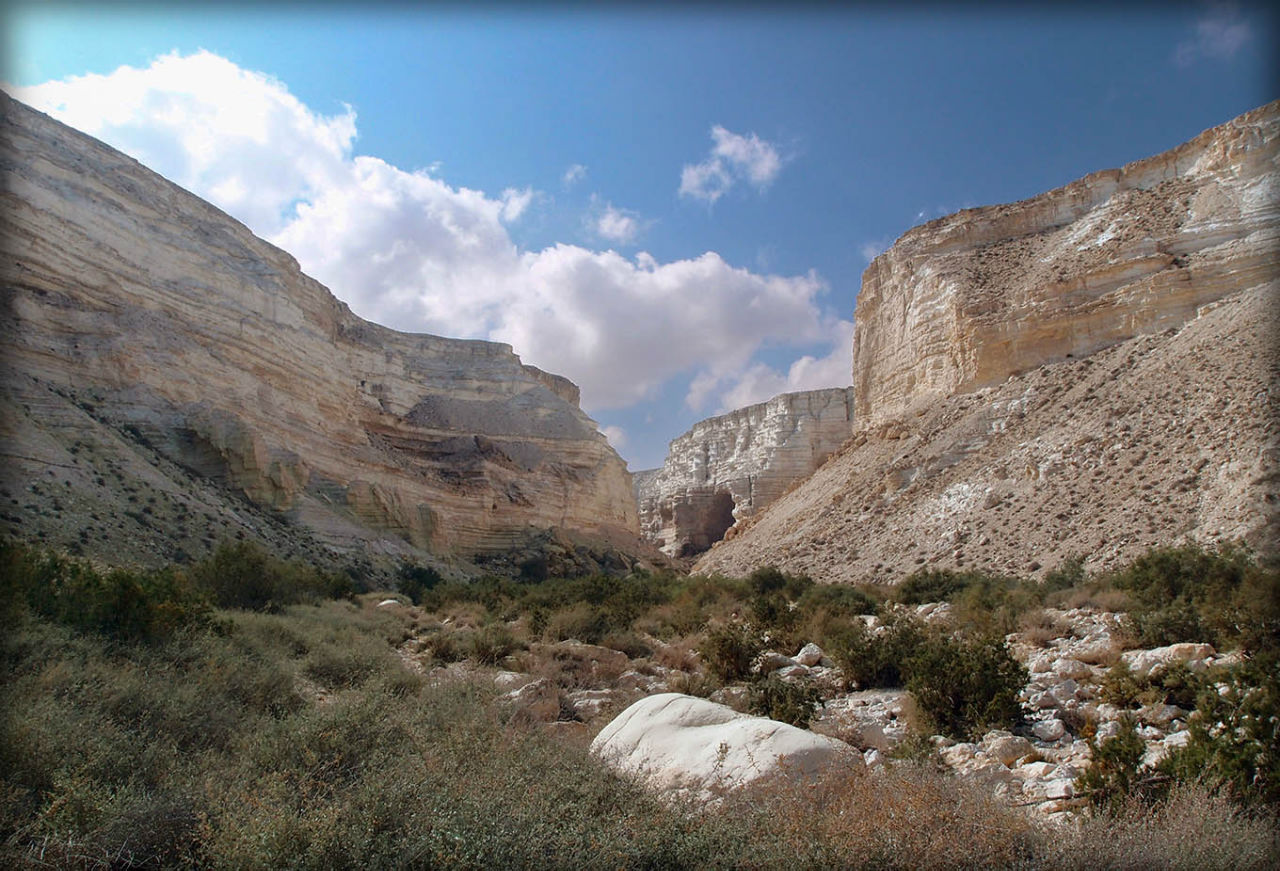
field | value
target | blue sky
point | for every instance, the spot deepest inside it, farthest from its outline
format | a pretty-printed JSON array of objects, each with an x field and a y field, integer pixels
[{"x": 673, "y": 208}]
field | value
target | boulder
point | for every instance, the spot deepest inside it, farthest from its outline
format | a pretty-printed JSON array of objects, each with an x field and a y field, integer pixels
[
  {"x": 1007, "y": 748},
  {"x": 1049, "y": 730},
  {"x": 682, "y": 744},
  {"x": 1143, "y": 662},
  {"x": 809, "y": 655}
]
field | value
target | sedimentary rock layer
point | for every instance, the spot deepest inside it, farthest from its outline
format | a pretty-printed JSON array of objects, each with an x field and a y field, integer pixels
[
  {"x": 967, "y": 300},
  {"x": 1093, "y": 371},
  {"x": 729, "y": 467},
  {"x": 170, "y": 321}
]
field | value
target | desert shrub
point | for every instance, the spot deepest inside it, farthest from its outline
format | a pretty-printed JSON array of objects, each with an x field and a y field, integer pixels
[
  {"x": 582, "y": 621},
  {"x": 1190, "y": 593},
  {"x": 930, "y": 585},
  {"x": 491, "y": 644},
  {"x": 837, "y": 600},
  {"x": 966, "y": 685},
  {"x": 125, "y": 604},
  {"x": 730, "y": 650},
  {"x": 415, "y": 581},
  {"x": 871, "y": 660},
  {"x": 1235, "y": 734},
  {"x": 1067, "y": 574},
  {"x": 1113, "y": 775},
  {"x": 629, "y": 643},
  {"x": 444, "y": 647},
  {"x": 1120, "y": 686},
  {"x": 243, "y": 575},
  {"x": 793, "y": 703}
]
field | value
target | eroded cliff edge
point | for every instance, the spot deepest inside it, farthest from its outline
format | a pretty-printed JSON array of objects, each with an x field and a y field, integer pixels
[
  {"x": 1092, "y": 371},
  {"x": 730, "y": 467},
  {"x": 141, "y": 319}
]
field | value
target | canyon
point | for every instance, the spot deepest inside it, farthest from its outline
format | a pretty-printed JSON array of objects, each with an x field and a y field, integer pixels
[
  {"x": 1089, "y": 372},
  {"x": 165, "y": 368},
  {"x": 730, "y": 467}
]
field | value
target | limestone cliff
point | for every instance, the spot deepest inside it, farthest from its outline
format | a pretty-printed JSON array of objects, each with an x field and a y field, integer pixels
[
  {"x": 1092, "y": 371},
  {"x": 728, "y": 468},
  {"x": 967, "y": 300},
  {"x": 136, "y": 303}
]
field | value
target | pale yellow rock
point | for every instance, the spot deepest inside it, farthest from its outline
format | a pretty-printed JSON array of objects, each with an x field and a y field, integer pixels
[
  {"x": 1088, "y": 372},
  {"x": 730, "y": 467},
  {"x": 218, "y": 351},
  {"x": 967, "y": 300}
]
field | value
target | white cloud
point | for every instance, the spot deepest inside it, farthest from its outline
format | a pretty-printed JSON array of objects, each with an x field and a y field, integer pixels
[
  {"x": 733, "y": 158},
  {"x": 616, "y": 435},
  {"x": 760, "y": 382},
  {"x": 1219, "y": 34},
  {"x": 408, "y": 250},
  {"x": 236, "y": 137},
  {"x": 616, "y": 225},
  {"x": 574, "y": 174},
  {"x": 514, "y": 202}
]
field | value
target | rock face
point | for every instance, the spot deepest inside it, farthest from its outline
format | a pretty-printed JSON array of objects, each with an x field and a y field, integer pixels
[
  {"x": 1092, "y": 372},
  {"x": 967, "y": 300},
  {"x": 728, "y": 468},
  {"x": 684, "y": 744},
  {"x": 169, "y": 324}
]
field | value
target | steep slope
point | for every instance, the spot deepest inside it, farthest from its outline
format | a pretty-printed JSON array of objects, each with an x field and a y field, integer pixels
[
  {"x": 730, "y": 467},
  {"x": 172, "y": 327},
  {"x": 1092, "y": 371}
]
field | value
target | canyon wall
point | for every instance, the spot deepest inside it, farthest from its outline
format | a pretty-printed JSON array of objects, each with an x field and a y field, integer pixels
[
  {"x": 1093, "y": 371},
  {"x": 728, "y": 468},
  {"x": 967, "y": 300},
  {"x": 132, "y": 301}
]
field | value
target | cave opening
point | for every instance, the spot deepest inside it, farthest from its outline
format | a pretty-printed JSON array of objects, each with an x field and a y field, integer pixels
[{"x": 709, "y": 525}]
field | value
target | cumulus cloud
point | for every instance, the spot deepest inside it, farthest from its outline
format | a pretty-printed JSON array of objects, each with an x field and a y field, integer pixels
[
  {"x": 615, "y": 225},
  {"x": 733, "y": 158},
  {"x": 759, "y": 382},
  {"x": 616, "y": 435},
  {"x": 236, "y": 137},
  {"x": 411, "y": 251},
  {"x": 1219, "y": 34},
  {"x": 574, "y": 174}
]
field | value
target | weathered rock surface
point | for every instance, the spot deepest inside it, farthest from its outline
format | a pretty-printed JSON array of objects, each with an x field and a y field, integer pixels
[
  {"x": 138, "y": 316},
  {"x": 967, "y": 300},
  {"x": 728, "y": 468},
  {"x": 961, "y": 458},
  {"x": 683, "y": 744}
]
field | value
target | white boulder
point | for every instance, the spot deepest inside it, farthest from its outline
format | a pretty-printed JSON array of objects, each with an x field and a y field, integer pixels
[
  {"x": 680, "y": 743},
  {"x": 809, "y": 655},
  {"x": 1143, "y": 662}
]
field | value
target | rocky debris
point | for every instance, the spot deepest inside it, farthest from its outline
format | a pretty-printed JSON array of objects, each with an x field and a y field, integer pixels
[
  {"x": 869, "y": 719},
  {"x": 728, "y": 468},
  {"x": 683, "y": 744},
  {"x": 193, "y": 348},
  {"x": 1085, "y": 372},
  {"x": 1144, "y": 663}
]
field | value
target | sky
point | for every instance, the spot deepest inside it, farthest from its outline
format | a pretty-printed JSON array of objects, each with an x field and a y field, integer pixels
[{"x": 671, "y": 206}]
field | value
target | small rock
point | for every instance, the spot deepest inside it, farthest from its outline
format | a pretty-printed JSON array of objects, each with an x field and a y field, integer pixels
[
  {"x": 1072, "y": 668},
  {"x": 809, "y": 655},
  {"x": 1008, "y": 748},
  {"x": 1049, "y": 730},
  {"x": 389, "y": 603}
]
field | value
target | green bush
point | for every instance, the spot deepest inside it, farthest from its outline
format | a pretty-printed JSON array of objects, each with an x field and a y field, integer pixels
[
  {"x": 244, "y": 576},
  {"x": 1235, "y": 734},
  {"x": 793, "y": 703},
  {"x": 415, "y": 581},
  {"x": 1113, "y": 775},
  {"x": 966, "y": 686},
  {"x": 730, "y": 650},
  {"x": 870, "y": 660},
  {"x": 125, "y": 604},
  {"x": 1189, "y": 593},
  {"x": 491, "y": 644}
]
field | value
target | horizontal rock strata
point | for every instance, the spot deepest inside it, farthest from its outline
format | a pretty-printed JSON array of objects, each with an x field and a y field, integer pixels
[
  {"x": 967, "y": 300},
  {"x": 728, "y": 468},
  {"x": 1092, "y": 371},
  {"x": 173, "y": 324}
]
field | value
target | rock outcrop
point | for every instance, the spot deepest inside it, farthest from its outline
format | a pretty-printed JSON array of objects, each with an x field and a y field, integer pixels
[
  {"x": 728, "y": 468},
  {"x": 1093, "y": 371},
  {"x": 965, "y": 301},
  {"x": 687, "y": 745},
  {"x": 136, "y": 311}
]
